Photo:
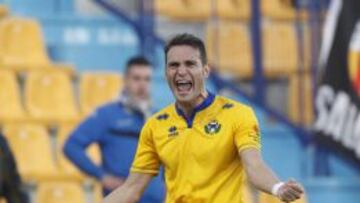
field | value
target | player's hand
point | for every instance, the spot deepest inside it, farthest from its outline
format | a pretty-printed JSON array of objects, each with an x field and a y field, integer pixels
[
  {"x": 290, "y": 191},
  {"x": 111, "y": 182}
]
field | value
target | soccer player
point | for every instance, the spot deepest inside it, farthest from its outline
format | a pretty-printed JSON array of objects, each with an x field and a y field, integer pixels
[
  {"x": 205, "y": 142},
  {"x": 115, "y": 127}
]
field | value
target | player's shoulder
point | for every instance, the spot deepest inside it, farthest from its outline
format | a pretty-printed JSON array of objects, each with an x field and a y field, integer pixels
[
  {"x": 163, "y": 114},
  {"x": 229, "y": 104}
]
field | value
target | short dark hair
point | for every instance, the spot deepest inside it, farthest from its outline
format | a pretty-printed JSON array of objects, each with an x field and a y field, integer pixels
[
  {"x": 136, "y": 60},
  {"x": 190, "y": 40}
]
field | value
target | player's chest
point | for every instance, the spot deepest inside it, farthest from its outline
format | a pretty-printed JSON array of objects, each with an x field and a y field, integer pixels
[{"x": 203, "y": 142}]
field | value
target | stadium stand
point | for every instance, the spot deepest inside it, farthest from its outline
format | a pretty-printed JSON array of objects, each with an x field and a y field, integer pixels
[
  {"x": 68, "y": 170},
  {"x": 300, "y": 95},
  {"x": 11, "y": 106},
  {"x": 281, "y": 10},
  {"x": 265, "y": 198},
  {"x": 233, "y": 9},
  {"x": 280, "y": 50},
  {"x": 3, "y": 11},
  {"x": 60, "y": 192},
  {"x": 49, "y": 97},
  {"x": 190, "y": 10},
  {"x": 98, "y": 88},
  {"x": 23, "y": 47},
  {"x": 31, "y": 146},
  {"x": 22, "y": 42},
  {"x": 233, "y": 52}
]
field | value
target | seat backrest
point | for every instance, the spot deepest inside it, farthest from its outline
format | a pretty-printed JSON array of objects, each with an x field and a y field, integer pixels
[
  {"x": 4, "y": 11},
  {"x": 60, "y": 192},
  {"x": 32, "y": 148},
  {"x": 184, "y": 9},
  {"x": 10, "y": 104},
  {"x": 233, "y": 9},
  {"x": 280, "y": 50},
  {"x": 97, "y": 89},
  {"x": 22, "y": 43},
  {"x": 280, "y": 9},
  {"x": 266, "y": 198},
  {"x": 229, "y": 47},
  {"x": 49, "y": 96}
]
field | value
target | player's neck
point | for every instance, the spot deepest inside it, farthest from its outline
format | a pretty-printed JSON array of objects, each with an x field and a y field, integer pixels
[{"x": 188, "y": 107}]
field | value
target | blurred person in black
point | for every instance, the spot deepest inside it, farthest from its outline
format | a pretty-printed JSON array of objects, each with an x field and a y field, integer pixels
[{"x": 10, "y": 181}]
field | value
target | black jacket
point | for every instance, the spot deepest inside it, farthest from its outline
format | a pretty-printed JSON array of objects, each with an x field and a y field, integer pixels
[{"x": 10, "y": 181}]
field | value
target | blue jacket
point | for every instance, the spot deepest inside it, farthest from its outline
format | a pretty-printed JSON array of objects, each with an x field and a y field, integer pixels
[{"x": 115, "y": 128}]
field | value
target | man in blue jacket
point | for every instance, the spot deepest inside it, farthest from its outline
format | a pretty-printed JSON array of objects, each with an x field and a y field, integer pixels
[{"x": 115, "y": 127}]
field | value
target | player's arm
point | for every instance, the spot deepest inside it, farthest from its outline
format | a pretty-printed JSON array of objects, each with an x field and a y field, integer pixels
[
  {"x": 247, "y": 139},
  {"x": 131, "y": 190},
  {"x": 263, "y": 178}
]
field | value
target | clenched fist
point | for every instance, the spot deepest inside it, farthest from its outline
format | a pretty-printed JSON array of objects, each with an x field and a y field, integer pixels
[{"x": 290, "y": 191}]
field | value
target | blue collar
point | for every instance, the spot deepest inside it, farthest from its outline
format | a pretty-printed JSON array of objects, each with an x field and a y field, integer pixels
[{"x": 207, "y": 102}]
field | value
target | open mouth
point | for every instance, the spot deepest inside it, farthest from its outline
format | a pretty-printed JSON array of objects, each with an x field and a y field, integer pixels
[{"x": 183, "y": 85}]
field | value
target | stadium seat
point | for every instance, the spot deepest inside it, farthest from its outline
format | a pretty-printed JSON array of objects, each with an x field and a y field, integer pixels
[
  {"x": 10, "y": 104},
  {"x": 49, "y": 97},
  {"x": 184, "y": 9},
  {"x": 301, "y": 99},
  {"x": 280, "y": 50},
  {"x": 229, "y": 48},
  {"x": 265, "y": 198},
  {"x": 60, "y": 192},
  {"x": 233, "y": 9},
  {"x": 32, "y": 150},
  {"x": 68, "y": 170},
  {"x": 3, "y": 11},
  {"x": 98, "y": 88},
  {"x": 280, "y": 9},
  {"x": 22, "y": 44}
]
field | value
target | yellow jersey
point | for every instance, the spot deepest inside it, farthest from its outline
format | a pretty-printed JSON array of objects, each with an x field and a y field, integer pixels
[{"x": 200, "y": 154}]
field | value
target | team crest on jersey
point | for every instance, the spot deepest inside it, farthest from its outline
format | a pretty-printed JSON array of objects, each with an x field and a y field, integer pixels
[{"x": 213, "y": 127}]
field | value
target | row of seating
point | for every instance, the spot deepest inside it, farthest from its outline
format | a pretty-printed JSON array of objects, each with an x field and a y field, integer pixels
[
  {"x": 226, "y": 9},
  {"x": 48, "y": 96},
  {"x": 230, "y": 48},
  {"x": 64, "y": 192},
  {"x": 22, "y": 46},
  {"x": 39, "y": 155}
]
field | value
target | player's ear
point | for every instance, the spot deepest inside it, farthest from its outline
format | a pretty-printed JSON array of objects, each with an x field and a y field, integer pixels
[{"x": 206, "y": 70}]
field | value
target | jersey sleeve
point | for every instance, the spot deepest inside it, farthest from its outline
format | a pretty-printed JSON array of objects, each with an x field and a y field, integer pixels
[
  {"x": 146, "y": 158},
  {"x": 247, "y": 133}
]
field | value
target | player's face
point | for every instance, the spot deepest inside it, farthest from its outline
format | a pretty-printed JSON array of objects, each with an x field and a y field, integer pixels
[
  {"x": 137, "y": 82},
  {"x": 185, "y": 73}
]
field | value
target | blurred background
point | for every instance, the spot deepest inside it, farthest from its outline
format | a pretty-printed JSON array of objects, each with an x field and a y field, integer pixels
[{"x": 59, "y": 59}]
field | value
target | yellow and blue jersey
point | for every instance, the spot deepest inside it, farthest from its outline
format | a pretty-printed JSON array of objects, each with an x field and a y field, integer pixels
[{"x": 200, "y": 154}]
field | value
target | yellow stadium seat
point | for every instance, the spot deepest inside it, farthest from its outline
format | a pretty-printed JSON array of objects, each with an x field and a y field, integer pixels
[
  {"x": 280, "y": 9},
  {"x": 98, "y": 88},
  {"x": 280, "y": 50},
  {"x": 22, "y": 44},
  {"x": 184, "y": 9},
  {"x": 68, "y": 170},
  {"x": 300, "y": 101},
  {"x": 3, "y": 11},
  {"x": 233, "y": 9},
  {"x": 49, "y": 97},
  {"x": 265, "y": 198},
  {"x": 32, "y": 150},
  {"x": 60, "y": 192},
  {"x": 10, "y": 105},
  {"x": 229, "y": 48}
]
